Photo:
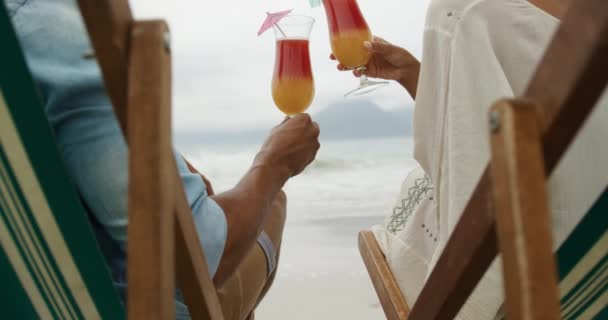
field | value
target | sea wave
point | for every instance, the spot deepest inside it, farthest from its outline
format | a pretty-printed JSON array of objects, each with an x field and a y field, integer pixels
[
  {"x": 348, "y": 179},
  {"x": 329, "y": 164}
]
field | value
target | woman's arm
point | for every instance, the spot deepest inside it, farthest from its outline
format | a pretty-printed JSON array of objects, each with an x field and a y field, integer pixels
[{"x": 556, "y": 8}]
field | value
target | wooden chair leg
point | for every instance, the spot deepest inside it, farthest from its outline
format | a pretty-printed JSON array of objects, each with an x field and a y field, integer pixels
[
  {"x": 522, "y": 213},
  {"x": 151, "y": 169},
  {"x": 468, "y": 254},
  {"x": 392, "y": 300}
]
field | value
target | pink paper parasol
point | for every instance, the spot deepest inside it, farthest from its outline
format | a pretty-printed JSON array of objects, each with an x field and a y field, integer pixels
[{"x": 272, "y": 19}]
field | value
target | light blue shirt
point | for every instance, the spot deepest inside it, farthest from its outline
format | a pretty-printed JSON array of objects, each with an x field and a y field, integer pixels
[{"x": 55, "y": 41}]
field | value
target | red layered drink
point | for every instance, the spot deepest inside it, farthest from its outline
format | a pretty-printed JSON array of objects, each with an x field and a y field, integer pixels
[
  {"x": 293, "y": 86},
  {"x": 348, "y": 30}
]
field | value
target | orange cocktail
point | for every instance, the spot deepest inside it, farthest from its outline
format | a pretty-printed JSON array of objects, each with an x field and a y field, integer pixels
[
  {"x": 348, "y": 30},
  {"x": 293, "y": 86}
]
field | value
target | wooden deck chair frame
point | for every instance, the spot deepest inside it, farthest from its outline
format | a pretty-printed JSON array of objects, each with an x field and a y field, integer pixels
[
  {"x": 135, "y": 60},
  {"x": 529, "y": 136}
]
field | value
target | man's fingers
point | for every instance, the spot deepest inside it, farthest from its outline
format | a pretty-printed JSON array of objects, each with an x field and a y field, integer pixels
[
  {"x": 282, "y": 122},
  {"x": 332, "y": 56},
  {"x": 316, "y": 130},
  {"x": 341, "y": 67},
  {"x": 357, "y": 73},
  {"x": 302, "y": 117}
]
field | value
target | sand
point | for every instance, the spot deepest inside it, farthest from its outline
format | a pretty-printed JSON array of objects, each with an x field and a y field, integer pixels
[{"x": 321, "y": 275}]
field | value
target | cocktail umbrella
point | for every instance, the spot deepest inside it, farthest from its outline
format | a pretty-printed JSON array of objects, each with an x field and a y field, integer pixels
[
  {"x": 272, "y": 19},
  {"x": 315, "y": 3}
]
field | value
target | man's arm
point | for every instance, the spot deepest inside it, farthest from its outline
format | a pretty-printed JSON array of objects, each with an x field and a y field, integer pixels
[
  {"x": 290, "y": 147},
  {"x": 246, "y": 207}
]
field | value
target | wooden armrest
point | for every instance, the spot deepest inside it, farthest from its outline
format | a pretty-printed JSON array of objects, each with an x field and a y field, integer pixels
[
  {"x": 391, "y": 298},
  {"x": 191, "y": 267}
]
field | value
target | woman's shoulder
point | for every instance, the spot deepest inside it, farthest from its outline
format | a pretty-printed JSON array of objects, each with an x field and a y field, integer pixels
[
  {"x": 459, "y": 5},
  {"x": 446, "y": 15}
]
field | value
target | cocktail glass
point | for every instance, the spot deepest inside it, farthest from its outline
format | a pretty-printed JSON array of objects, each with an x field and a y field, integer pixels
[
  {"x": 348, "y": 31},
  {"x": 293, "y": 87}
]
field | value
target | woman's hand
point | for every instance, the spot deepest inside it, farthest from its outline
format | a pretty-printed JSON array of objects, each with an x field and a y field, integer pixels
[{"x": 389, "y": 62}]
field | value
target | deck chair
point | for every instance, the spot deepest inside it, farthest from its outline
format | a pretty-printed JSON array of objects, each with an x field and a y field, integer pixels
[
  {"x": 529, "y": 136},
  {"x": 50, "y": 263}
]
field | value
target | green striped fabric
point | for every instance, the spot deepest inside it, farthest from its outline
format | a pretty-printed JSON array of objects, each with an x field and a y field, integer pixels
[
  {"x": 50, "y": 264},
  {"x": 583, "y": 266}
]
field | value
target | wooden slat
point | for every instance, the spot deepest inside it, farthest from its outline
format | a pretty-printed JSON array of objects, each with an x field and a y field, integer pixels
[
  {"x": 109, "y": 25},
  {"x": 572, "y": 76},
  {"x": 523, "y": 219},
  {"x": 192, "y": 271},
  {"x": 574, "y": 65},
  {"x": 467, "y": 255},
  {"x": 391, "y": 297},
  {"x": 151, "y": 176}
]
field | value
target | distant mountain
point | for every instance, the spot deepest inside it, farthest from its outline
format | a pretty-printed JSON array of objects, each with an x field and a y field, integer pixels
[
  {"x": 348, "y": 119},
  {"x": 362, "y": 119}
]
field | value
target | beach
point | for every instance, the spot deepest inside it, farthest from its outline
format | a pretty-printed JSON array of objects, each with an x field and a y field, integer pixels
[
  {"x": 321, "y": 275},
  {"x": 351, "y": 186}
]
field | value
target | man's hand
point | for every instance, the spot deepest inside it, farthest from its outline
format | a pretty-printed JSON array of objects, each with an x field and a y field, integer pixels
[
  {"x": 291, "y": 146},
  {"x": 389, "y": 62}
]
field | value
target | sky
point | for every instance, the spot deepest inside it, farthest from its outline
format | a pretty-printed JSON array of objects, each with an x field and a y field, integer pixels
[{"x": 222, "y": 70}]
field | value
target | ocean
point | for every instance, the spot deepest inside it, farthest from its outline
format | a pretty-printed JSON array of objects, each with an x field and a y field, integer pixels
[{"x": 352, "y": 185}]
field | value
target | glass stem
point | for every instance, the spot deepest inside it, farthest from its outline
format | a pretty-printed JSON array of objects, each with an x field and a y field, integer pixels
[{"x": 363, "y": 80}]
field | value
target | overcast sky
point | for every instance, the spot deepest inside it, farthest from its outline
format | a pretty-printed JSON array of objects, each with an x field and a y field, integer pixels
[{"x": 222, "y": 70}]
